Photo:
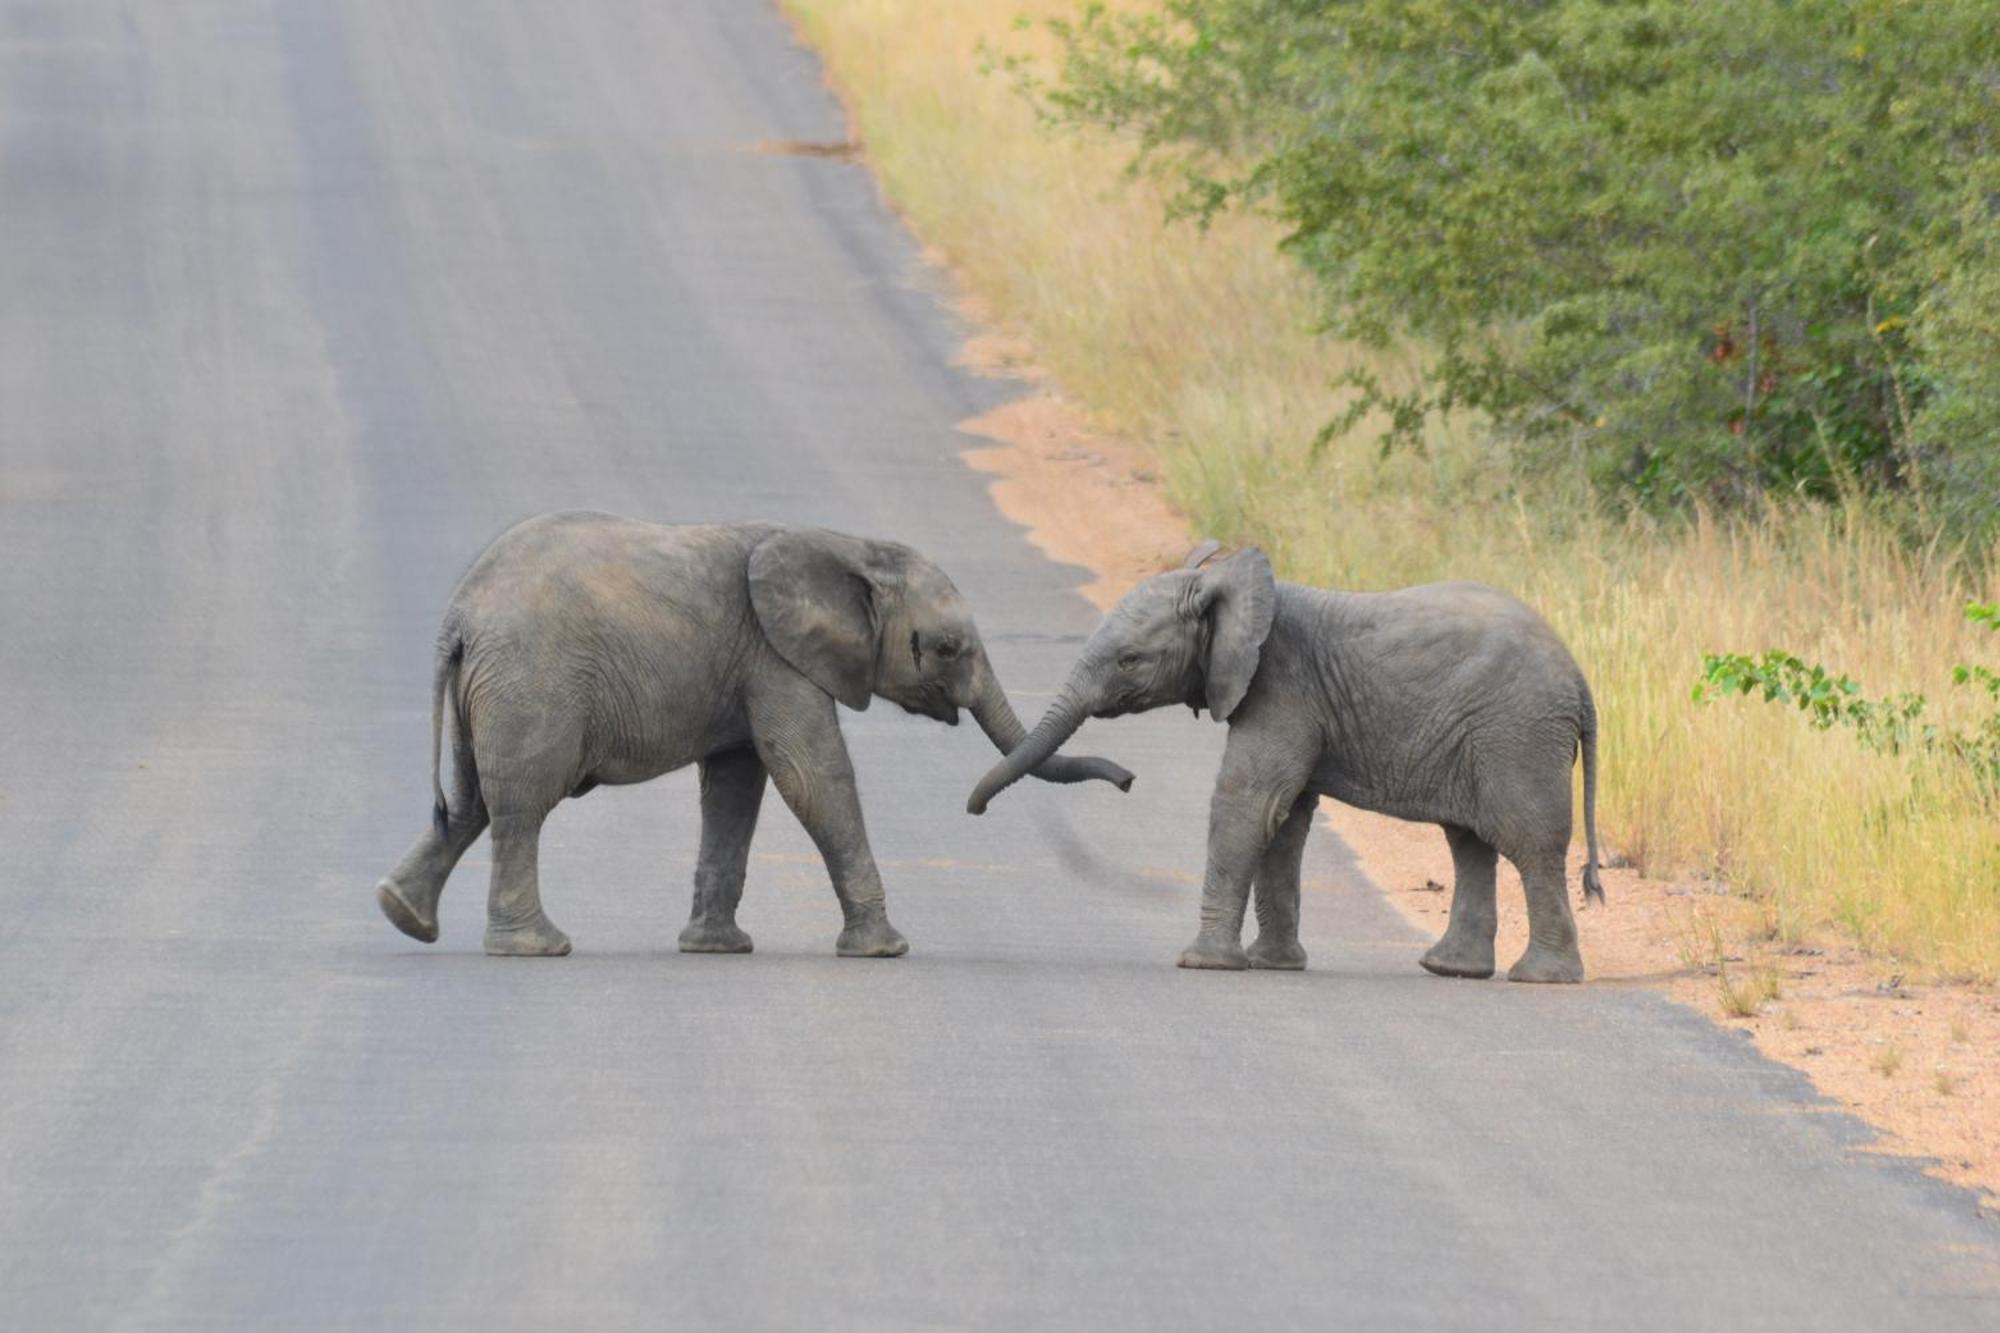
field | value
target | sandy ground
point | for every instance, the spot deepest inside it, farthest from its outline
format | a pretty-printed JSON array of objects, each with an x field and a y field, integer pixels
[
  {"x": 1087, "y": 498},
  {"x": 1920, "y": 1063}
]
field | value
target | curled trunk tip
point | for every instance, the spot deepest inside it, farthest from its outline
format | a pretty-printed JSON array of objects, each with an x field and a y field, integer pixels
[{"x": 1057, "y": 725}]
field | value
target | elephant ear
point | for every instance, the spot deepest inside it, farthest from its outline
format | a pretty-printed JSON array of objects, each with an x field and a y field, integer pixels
[
  {"x": 1201, "y": 554},
  {"x": 1238, "y": 597},
  {"x": 816, "y": 604}
]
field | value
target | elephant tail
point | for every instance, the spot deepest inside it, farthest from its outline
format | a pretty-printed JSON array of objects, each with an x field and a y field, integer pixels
[
  {"x": 1593, "y": 884},
  {"x": 451, "y": 652}
]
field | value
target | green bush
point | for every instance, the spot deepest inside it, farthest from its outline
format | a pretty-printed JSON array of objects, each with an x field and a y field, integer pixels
[
  {"x": 1696, "y": 252},
  {"x": 1894, "y": 724}
]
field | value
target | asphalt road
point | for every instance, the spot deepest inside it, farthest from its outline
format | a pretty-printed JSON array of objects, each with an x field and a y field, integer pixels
[{"x": 300, "y": 303}]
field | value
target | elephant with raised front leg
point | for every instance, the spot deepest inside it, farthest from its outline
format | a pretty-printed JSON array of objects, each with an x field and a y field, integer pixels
[
  {"x": 1450, "y": 704},
  {"x": 583, "y": 648}
]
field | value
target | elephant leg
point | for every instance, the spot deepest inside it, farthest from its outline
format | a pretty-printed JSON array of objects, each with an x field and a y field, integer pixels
[
  {"x": 1254, "y": 794},
  {"x": 1277, "y": 892},
  {"x": 732, "y": 790},
  {"x": 515, "y": 923},
  {"x": 1552, "y": 954},
  {"x": 409, "y": 895},
  {"x": 798, "y": 739},
  {"x": 1466, "y": 950}
]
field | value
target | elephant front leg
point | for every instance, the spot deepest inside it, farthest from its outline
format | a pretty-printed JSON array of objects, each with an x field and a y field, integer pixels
[
  {"x": 732, "y": 790},
  {"x": 808, "y": 761},
  {"x": 1254, "y": 794},
  {"x": 1466, "y": 949},
  {"x": 1233, "y": 851},
  {"x": 1277, "y": 892}
]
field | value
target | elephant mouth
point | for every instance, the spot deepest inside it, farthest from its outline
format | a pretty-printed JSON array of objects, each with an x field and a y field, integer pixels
[{"x": 940, "y": 710}]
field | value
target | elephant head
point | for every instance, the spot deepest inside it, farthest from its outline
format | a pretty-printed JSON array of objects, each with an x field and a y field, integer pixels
[
  {"x": 863, "y": 618},
  {"x": 1191, "y": 636}
]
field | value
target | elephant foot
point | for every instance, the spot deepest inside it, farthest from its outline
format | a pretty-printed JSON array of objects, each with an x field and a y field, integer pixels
[
  {"x": 1450, "y": 958},
  {"x": 1550, "y": 966},
  {"x": 403, "y": 915},
  {"x": 1215, "y": 955},
  {"x": 538, "y": 939},
  {"x": 714, "y": 937},
  {"x": 873, "y": 938},
  {"x": 1277, "y": 955}
]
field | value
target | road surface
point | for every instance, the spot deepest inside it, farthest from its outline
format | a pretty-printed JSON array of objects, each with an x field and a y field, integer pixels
[{"x": 301, "y": 302}]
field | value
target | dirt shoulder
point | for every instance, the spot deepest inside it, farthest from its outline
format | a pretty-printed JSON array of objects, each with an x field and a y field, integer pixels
[{"x": 1920, "y": 1063}]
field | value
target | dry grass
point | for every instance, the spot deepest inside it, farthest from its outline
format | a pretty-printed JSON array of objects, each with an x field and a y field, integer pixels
[
  {"x": 1199, "y": 347},
  {"x": 1738, "y": 998},
  {"x": 1887, "y": 1060},
  {"x": 1745, "y": 997}
]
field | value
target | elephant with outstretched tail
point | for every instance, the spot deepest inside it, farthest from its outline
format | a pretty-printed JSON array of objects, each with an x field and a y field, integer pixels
[
  {"x": 1451, "y": 704},
  {"x": 583, "y": 648}
]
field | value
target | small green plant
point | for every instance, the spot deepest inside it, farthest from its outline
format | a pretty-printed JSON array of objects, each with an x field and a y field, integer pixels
[
  {"x": 1827, "y": 700},
  {"x": 1892, "y": 725}
]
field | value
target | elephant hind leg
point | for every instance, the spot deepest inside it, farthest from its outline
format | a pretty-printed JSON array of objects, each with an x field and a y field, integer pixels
[
  {"x": 409, "y": 894},
  {"x": 516, "y": 926},
  {"x": 1552, "y": 954},
  {"x": 527, "y": 763},
  {"x": 1466, "y": 949}
]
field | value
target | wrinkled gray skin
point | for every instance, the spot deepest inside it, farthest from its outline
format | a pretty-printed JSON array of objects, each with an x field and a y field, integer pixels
[
  {"x": 582, "y": 648},
  {"x": 1452, "y": 704}
]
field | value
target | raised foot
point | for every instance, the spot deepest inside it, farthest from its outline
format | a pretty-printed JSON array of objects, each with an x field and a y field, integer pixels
[
  {"x": 1277, "y": 956},
  {"x": 871, "y": 939},
  {"x": 714, "y": 937},
  {"x": 1548, "y": 966},
  {"x": 1215, "y": 955},
  {"x": 403, "y": 915},
  {"x": 537, "y": 939},
  {"x": 1448, "y": 958}
]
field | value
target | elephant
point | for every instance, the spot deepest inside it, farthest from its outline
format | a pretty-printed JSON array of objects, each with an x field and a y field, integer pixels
[
  {"x": 1449, "y": 703},
  {"x": 582, "y": 648}
]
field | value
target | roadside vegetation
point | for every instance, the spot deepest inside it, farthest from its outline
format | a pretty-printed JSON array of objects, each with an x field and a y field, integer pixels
[{"x": 1721, "y": 350}]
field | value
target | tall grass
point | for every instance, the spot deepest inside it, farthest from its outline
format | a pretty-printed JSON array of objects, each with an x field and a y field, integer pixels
[{"x": 1200, "y": 345}]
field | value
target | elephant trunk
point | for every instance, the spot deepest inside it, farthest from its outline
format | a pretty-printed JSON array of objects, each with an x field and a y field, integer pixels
[
  {"x": 1065, "y": 715},
  {"x": 996, "y": 718}
]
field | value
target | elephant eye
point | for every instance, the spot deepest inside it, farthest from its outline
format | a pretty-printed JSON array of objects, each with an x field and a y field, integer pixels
[
  {"x": 947, "y": 649},
  {"x": 1127, "y": 661}
]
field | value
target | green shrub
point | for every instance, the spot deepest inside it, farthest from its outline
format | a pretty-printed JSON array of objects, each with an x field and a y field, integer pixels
[
  {"x": 1893, "y": 724},
  {"x": 1694, "y": 252}
]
